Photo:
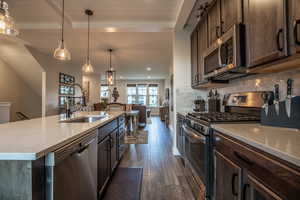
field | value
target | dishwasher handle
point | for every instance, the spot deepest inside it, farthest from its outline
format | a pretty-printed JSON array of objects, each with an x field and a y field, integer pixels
[{"x": 56, "y": 157}]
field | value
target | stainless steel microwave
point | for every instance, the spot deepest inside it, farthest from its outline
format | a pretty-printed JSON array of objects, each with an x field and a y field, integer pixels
[{"x": 225, "y": 58}]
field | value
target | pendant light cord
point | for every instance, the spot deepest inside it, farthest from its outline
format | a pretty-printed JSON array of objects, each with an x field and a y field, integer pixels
[
  {"x": 63, "y": 21},
  {"x": 110, "y": 59},
  {"x": 88, "y": 50}
]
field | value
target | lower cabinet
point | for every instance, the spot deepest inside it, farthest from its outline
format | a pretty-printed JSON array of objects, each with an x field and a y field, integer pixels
[
  {"x": 255, "y": 190},
  {"x": 228, "y": 178},
  {"x": 246, "y": 173},
  {"x": 109, "y": 149},
  {"x": 113, "y": 150},
  {"x": 103, "y": 163}
]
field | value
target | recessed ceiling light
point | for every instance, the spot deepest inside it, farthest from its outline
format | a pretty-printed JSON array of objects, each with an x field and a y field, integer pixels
[
  {"x": 121, "y": 77},
  {"x": 148, "y": 68},
  {"x": 148, "y": 77}
]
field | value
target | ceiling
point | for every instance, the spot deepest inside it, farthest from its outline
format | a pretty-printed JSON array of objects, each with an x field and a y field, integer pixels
[{"x": 140, "y": 32}]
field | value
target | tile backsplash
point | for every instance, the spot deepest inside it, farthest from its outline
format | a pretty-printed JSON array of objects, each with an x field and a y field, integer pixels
[{"x": 264, "y": 82}]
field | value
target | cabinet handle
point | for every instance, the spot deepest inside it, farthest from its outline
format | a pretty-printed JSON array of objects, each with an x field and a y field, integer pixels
[
  {"x": 243, "y": 158},
  {"x": 296, "y": 23},
  {"x": 279, "y": 33},
  {"x": 246, "y": 186},
  {"x": 234, "y": 176}
]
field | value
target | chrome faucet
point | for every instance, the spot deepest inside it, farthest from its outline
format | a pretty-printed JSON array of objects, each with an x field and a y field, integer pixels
[{"x": 69, "y": 110}]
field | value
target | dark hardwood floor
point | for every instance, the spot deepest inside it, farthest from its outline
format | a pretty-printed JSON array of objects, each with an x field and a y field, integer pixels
[{"x": 163, "y": 172}]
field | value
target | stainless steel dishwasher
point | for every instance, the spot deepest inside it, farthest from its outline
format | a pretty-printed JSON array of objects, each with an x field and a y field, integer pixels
[{"x": 72, "y": 170}]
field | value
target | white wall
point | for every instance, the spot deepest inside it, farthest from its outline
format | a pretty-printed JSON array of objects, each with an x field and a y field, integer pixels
[
  {"x": 52, "y": 68},
  {"x": 15, "y": 90}
]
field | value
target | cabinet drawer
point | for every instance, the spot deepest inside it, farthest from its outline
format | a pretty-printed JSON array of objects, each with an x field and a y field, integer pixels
[
  {"x": 107, "y": 129},
  {"x": 277, "y": 175}
]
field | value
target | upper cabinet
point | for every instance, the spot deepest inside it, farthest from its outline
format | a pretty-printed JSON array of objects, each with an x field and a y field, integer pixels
[
  {"x": 266, "y": 31},
  {"x": 295, "y": 26},
  {"x": 202, "y": 46},
  {"x": 214, "y": 23},
  {"x": 231, "y": 13},
  {"x": 194, "y": 57}
]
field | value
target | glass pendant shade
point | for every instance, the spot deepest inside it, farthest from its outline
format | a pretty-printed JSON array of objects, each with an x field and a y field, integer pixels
[
  {"x": 88, "y": 67},
  {"x": 62, "y": 53},
  {"x": 111, "y": 77},
  {"x": 7, "y": 24}
]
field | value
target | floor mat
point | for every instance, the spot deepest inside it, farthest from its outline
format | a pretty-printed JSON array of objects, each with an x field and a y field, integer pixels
[
  {"x": 141, "y": 138},
  {"x": 126, "y": 184}
]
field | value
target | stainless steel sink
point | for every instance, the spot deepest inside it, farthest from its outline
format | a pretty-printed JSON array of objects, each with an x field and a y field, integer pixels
[{"x": 88, "y": 119}]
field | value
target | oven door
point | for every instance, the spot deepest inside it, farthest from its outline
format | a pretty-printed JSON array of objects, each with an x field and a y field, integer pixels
[{"x": 196, "y": 151}]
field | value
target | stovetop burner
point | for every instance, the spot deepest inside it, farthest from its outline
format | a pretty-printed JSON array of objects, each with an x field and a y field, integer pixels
[{"x": 212, "y": 117}]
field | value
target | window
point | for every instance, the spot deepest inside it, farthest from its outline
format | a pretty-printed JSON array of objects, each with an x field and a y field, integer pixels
[
  {"x": 131, "y": 94},
  {"x": 143, "y": 94},
  {"x": 104, "y": 93},
  {"x": 153, "y": 95}
]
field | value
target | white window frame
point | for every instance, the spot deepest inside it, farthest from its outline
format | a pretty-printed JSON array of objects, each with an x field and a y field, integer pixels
[{"x": 147, "y": 93}]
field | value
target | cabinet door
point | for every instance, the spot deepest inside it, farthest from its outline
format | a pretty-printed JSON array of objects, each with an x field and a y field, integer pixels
[
  {"x": 103, "y": 163},
  {"x": 194, "y": 58},
  {"x": 255, "y": 190},
  {"x": 113, "y": 151},
  {"x": 228, "y": 178},
  {"x": 214, "y": 23},
  {"x": 295, "y": 26},
  {"x": 231, "y": 13},
  {"x": 202, "y": 45},
  {"x": 266, "y": 31}
]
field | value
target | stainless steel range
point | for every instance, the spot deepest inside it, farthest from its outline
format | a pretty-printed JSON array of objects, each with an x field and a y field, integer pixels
[{"x": 239, "y": 108}]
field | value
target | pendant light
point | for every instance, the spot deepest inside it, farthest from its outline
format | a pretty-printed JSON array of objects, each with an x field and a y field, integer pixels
[
  {"x": 7, "y": 24},
  {"x": 87, "y": 67},
  {"x": 110, "y": 73},
  {"x": 62, "y": 53}
]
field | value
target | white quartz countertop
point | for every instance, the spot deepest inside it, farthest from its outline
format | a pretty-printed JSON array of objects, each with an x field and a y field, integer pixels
[
  {"x": 283, "y": 143},
  {"x": 33, "y": 139}
]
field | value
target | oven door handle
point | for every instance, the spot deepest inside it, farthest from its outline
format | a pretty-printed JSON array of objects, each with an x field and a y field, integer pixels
[{"x": 191, "y": 134}]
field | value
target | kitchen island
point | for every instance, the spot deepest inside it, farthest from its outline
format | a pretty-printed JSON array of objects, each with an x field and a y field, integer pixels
[{"x": 31, "y": 152}]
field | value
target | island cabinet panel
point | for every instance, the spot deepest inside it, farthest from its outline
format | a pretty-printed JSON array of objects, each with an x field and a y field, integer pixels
[
  {"x": 103, "y": 163},
  {"x": 202, "y": 46},
  {"x": 22, "y": 180},
  {"x": 231, "y": 13},
  {"x": 266, "y": 171},
  {"x": 194, "y": 58},
  {"x": 113, "y": 150},
  {"x": 294, "y": 7},
  {"x": 214, "y": 29},
  {"x": 228, "y": 178},
  {"x": 266, "y": 31}
]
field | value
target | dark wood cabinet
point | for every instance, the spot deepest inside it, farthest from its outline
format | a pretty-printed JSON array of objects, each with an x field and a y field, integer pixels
[
  {"x": 214, "y": 29},
  {"x": 266, "y": 31},
  {"x": 228, "y": 178},
  {"x": 194, "y": 57},
  {"x": 113, "y": 150},
  {"x": 103, "y": 163},
  {"x": 253, "y": 189},
  {"x": 294, "y": 6},
  {"x": 231, "y": 13},
  {"x": 202, "y": 46},
  {"x": 264, "y": 177}
]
